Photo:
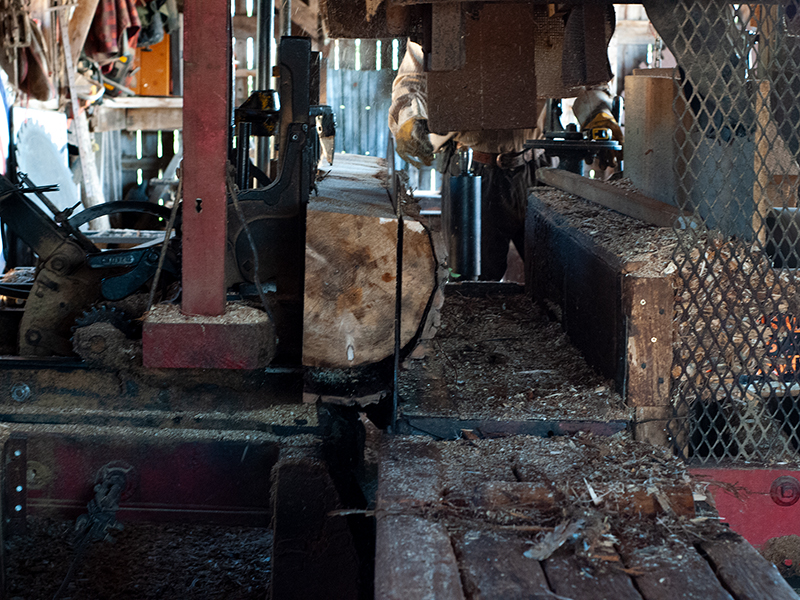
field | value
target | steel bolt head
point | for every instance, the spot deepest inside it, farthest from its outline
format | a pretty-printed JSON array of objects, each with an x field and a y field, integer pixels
[
  {"x": 20, "y": 392},
  {"x": 785, "y": 491}
]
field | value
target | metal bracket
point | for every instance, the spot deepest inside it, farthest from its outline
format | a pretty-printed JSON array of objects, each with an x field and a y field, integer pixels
[{"x": 16, "y": 483}]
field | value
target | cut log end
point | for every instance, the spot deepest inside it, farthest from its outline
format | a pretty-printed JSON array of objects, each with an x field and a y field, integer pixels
[{"x": 351, "y": 271}]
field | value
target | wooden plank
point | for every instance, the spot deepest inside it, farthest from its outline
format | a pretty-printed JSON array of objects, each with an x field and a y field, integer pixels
[
  {"x": 580, "y": 579},
  {"x": 744, "y": 572},
  {"x": 144, "y": 102},
  {"x": 409, "y": 473},
  {"x": 648, "y": 305},
  {"x": 414, "y": 559},
  {"x": 150, "y": 119},
  {"x": 493, "y": 565},
  {"x": 764, "y": 142},
  {"x": 79, "y": 25},
  {"x": 567, "y": 270},
  {"x": 627, "y": 202},
  {"x": 107, "y": 119},
  {"x": 244, "y": 26},
  {"x": 448, "y": 52},
  {"x": 490, "y": 91},
  {"x": 92, "y": 190},
  {"x": 634, "y": 32},
  {"x": 673, "y": 571}
]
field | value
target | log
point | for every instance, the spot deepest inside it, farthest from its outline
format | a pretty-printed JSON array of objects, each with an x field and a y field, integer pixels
[{"x": 351, "y": 269}]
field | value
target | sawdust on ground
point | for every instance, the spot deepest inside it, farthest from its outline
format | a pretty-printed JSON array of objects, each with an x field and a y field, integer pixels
[
  {"x": 502, "y": 358},
  {"x": 147, "y": 561}
]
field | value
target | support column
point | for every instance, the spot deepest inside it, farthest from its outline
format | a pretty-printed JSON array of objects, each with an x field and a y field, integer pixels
[{"x": 206, "y": 121}]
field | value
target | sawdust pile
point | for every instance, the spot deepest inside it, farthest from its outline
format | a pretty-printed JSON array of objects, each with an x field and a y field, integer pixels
[
  {"x": 500, "y": 357},
  {"x": 146, "y": 562}
]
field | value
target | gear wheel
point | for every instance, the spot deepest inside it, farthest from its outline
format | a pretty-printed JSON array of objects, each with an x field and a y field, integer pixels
[{"x": 111, "y": 315}]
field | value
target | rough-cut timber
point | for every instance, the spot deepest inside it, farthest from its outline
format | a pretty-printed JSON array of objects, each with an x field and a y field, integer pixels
[
  {"x": 744, "y": 572},
  {"x": 617, "y": 312},
  {"x": 493, "y": 565},
  {"x": 633, "y": 204},
  {"x": 313, "y": 553},
  {"x": 449, "y": 508},
  {"x": 351, "y": 268},
  {"x": 574, "y": 577},
  {"x": 414, "y": 559},
  {"x": 672, "y": 571}
]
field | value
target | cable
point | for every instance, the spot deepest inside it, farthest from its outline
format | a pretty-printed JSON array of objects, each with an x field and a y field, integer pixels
[{"x": 165, "y": 244}]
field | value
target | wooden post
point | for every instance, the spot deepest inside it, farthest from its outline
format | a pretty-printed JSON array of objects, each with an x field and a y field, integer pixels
[
  {"x": 760, "y": 197},
  {"x": 206, "y": 121},
  {"x": 648, "y": 303}
]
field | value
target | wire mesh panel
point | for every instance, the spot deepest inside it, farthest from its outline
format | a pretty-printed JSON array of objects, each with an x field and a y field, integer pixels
[{"x": 736, "y": 372}]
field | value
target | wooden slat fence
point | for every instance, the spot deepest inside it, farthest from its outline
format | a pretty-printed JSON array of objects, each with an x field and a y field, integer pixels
[{"x": 360, "y": 94}]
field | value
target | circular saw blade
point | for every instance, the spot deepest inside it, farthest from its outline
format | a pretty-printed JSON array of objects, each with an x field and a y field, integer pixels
[{"x": 38, "y": 157}]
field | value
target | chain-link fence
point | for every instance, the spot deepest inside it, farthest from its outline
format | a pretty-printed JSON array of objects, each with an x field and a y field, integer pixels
[{"x": 736, "y": 375}]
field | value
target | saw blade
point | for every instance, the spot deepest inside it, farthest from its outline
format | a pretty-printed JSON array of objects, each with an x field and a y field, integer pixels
[{"x": 38, "y": 157}]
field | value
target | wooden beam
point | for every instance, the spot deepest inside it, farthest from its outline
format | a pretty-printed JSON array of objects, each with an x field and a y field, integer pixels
[
  {"x": 153, "y": 119},
  {"x": 665, "y": 575},
  {"x": 79, "y": 26},
  {"x": 630, "y": 203},
  {"x": 107, "y": 119},
  {"x": 144, "y": 102},
  {"x": 634, "y": 32},
  {"x": 743, "y": 571},
  {"x": 448, "y": 52},
  {"x": 414, "y": 559},
  {"x": 305, "y": 17},
  {"x": 648, "y": 304},
  {"x": 494, "y": 565},
  {"x": 244, "y": 27}
]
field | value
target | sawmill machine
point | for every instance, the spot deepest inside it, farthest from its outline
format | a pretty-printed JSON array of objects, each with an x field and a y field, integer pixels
[{"x": 211, "y": 398}]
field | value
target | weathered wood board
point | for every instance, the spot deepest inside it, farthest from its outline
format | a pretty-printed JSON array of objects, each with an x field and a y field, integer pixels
[{"x": 448, "y": 538}]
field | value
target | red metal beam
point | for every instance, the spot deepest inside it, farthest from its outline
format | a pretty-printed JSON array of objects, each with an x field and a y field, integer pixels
[
  {"x": 206, "y": 120},
  {"x": 759, "y": 504}
]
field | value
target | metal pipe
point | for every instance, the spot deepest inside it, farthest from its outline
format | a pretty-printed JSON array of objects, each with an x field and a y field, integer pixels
[
  {"x": 464, "y": 220},
  {"x": 286, "y": 18},
  {"x": 265, "y": 33}
]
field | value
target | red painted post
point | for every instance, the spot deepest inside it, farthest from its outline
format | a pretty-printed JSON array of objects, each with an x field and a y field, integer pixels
[{"x": 206, "y": 120}]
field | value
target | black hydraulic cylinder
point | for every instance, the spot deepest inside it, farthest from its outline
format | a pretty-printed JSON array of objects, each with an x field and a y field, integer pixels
[{"x": 464, "y": 233}]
